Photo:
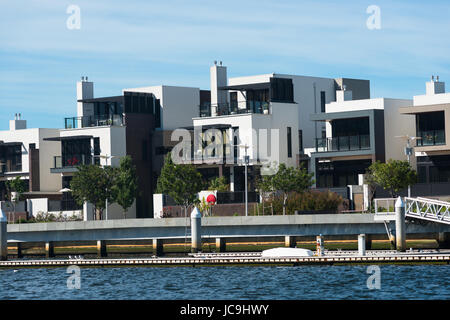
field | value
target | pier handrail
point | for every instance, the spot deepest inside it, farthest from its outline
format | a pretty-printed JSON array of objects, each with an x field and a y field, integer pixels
[{"x": 428, "y": 209}]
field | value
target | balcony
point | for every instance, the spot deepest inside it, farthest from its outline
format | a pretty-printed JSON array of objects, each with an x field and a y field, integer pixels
[
  {"x": 236, "y": 107},
  {"x": 343, "y": 143},
  {"x": 93, "y": 121},
  {"x": 431, "y": 138},
  {"x": 8, "y": 166},
  {"x": 69, "y": 163}
]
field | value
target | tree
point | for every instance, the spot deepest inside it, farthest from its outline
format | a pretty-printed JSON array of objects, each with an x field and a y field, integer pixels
[
  {"x": 125, "y": 185},
  {"x": 393, "y": 175},
  {"x": 287, "y": 180},
  {"x": 181, "y": 182},
  {"x": 93, "y": 184},
  {"x": 18, "y": 186},
  {"x": 219, "y": 184}
]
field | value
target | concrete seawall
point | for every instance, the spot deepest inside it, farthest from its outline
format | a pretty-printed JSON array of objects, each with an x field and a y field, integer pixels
[{"x": 212, "y": 227}]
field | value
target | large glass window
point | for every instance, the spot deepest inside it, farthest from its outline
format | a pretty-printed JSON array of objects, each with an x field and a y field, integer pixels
[
  {"x": 289, "y": 142},
  {"x": 76, "y": 152},
  {"x": 322, "y": 101},
  {"x": 430, "y": 128},
  {"x": 281, "y": 90}
]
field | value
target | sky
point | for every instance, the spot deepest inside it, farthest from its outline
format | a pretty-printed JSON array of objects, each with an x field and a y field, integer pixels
[{"x": 125, "y": 44}]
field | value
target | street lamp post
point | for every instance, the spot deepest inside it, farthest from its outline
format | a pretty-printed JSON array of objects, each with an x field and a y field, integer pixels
[
  {"x": 246, "y": 162},
  {"x": 408, "y": 152},
  {"x": 106, "y": 157}
]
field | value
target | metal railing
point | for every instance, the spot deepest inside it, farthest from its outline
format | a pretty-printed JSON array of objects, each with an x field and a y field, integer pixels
[
  {"x": 69, "y": 161},
  {"x": 343, "y": 143},
  {"x": 238, "y": 107},
  {"x": 5, "y": 167},
  {"x": 431, "y": 138},
  {"x": 384, "y": 206},
  {"x": 428, "y": 209},
  {"x": 236, "y": 197},
  {"x": 93, "y": 121}
]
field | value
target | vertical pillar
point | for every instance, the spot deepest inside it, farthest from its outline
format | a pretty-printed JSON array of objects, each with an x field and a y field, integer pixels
[
  {"x": 400, "y": 225},
  {"x": 158, "y": 248},
  {"x": 368, "y": 242},
  {"x": 3, "y": 236},
  {"x": 362, "y": 244},
  {"x": 290, "y": 241},
  {"x": 49, "y": 249},
  {"x": 221, "y": 245},
  {"x": 101, "y": 249},
  {"x": 19, "y": 250},
  {"x": 319, "y": 245},
  {"x": 443, "y": 240},
  {"x": 196, "y": 230}
]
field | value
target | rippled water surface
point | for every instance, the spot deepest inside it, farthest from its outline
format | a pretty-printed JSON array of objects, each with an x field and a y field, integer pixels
[{"x": 305, "y": 282}]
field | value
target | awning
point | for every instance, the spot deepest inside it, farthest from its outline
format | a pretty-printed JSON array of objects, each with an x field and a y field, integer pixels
[
  {"x": 68, "y": 138},
  {"x": 104, "y": 99},
  {"x": 210, "y": 126},
  {"x": 246, "y": 87}
]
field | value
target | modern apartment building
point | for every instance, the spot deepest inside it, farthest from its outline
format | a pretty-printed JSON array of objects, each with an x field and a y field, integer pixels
[
  {"x": 25, "y": 153},
  {"x": 269, "y": 114},
  {"x": 358, "y": 133},
  {"x": 432, "y": 130}
]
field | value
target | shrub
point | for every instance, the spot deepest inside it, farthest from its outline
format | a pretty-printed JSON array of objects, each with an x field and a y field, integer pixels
[{"x": 306, "y": 201}]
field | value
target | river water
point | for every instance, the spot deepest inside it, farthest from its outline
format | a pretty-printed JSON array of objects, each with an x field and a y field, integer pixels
[{"x": 211, "y": 283}]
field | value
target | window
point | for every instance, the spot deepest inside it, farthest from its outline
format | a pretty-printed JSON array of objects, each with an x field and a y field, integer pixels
[
  {"x": 289, "y": 142},
  {"x": 300, "y": 141},
  {"x": 282, "y": 90},
  {"x": 97, "y": 150},
  {"x": 322, "y": 101}
]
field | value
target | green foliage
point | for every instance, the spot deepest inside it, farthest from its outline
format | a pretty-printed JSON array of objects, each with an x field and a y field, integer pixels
[
  {"x": 181, "y": 182},
  {"x": 286, "y": 180},
  {"x": 93, "y": 184},
  {"x": 204, "y": 207},
  {"x": 393, "y": 175},
  {"x": 16, "y": 185},
  {"x": 307, "y": 201},
  {"x": 125, "y": 185},
  {"x": 219, "y": 183}
]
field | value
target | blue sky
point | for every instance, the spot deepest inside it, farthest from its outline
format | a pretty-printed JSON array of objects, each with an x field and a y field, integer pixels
[{"x": 132, "y": 43}]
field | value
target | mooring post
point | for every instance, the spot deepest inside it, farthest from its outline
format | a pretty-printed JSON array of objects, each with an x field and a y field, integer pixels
[
  {"x": 290, "y": 241},
  {"x": 19, "y": 249},
  {"x": 158, "y": 248},
  {"x": 443, "y": 240},
  {"x": 49, "y": 249},
  {"x": 319, "y": 245},
  {"x": 400, "y": 225},
  {"x": 196, "y": 230},
  {"x": 101, "y": 249},
  {"x": 3, "y": 236},
  {"x": 221, "y": 245},
  {"x": 362, "y": 244}
]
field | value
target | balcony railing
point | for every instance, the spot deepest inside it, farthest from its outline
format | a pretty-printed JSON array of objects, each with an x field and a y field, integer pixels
[
  {"x": 70, "y": 161},
  {"x": 237, "y": 107},
  {"x": 93, "y": 121},
  {"x": 343, "y": 143},
  {"x": 6, "y": 167},
  {"x": 431, "y": 138}
]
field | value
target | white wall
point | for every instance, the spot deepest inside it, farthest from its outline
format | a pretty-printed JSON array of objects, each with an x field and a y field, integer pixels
[
  {"x": 47, "y": 150},
  {"x": 112, "y": 141},
  {"x": 396, "y": 125},
  {"x": 178, "y": 104}
]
